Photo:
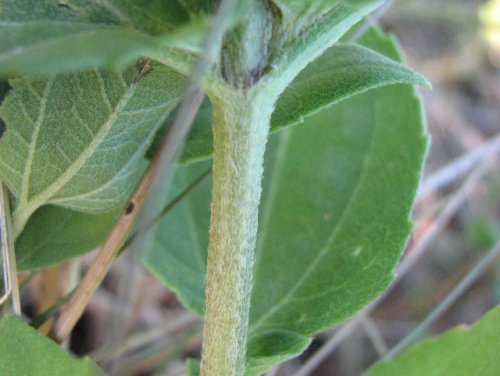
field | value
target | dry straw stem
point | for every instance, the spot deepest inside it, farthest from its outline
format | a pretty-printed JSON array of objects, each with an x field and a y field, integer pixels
[{"x": 99, "y": 268}]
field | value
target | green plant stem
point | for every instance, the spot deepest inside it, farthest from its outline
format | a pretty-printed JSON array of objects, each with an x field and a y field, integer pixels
[{"x": 241, "y": 126}]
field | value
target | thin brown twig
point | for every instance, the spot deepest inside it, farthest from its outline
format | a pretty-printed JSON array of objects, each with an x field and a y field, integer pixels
[
  {"x": 73, "y": 310},
  {"x": 151, "y": 181}
]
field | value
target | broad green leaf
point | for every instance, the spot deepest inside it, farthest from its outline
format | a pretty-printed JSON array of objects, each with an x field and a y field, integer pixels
[
  {"x": 308, "y": 28},
  {"x": 334, "y": 219},
  {"x": 342, "y": 71},
  {"x": 26, "y": 352},
  {"x": 312, "y": 10},
  {"x": 294, "y": 10},
  {"x": 459, "y": 352},
  {"x": 55, "y": 234},
  {"x": 332, "y": 234},
  {"x": 179, "y": 251},
  {"x": 77, "y": 141},
  {"x": 297, "y": 8},
  {"x": 40, "y": 37}
]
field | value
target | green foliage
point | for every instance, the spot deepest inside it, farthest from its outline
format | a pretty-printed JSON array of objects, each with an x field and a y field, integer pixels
[
  {"x": 179, "y": 252},
  {"x": 298, "y": 9},
  {"x": 77, "y": 141},
  {"x": 337, "y": 191},
  {"x": 484, "y": 232},
  {"x": 54, "y": 234},
  {"x": 40, "y": 37},
  {"x": 459, "y": 352},
  {"x": 334, "y": 219},
  {"x": 341, "y": 72},
  {"x": 24, "y": 351}
]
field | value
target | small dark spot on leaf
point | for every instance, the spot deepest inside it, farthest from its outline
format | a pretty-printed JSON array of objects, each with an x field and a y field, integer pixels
[{"x": 130, "y": 207}]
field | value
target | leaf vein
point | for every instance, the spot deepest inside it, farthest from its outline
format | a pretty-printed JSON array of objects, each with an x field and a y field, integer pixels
[{"x": 33, "y": 143}]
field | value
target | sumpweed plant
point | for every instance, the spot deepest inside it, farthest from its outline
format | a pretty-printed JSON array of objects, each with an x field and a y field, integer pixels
[{"x": 306, "y": 213}]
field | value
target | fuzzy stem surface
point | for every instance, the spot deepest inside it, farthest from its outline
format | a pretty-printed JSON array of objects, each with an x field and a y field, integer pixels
[{"x": 241, "y": 127}]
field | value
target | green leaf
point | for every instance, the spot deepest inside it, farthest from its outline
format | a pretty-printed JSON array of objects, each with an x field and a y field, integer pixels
[
  {"x": 298, "y": 9},
  {"x": 40, "y": 37},
  {"x": 335, "y": 215},
  {"x": 77, "y": 141},
  {"x": 55, "y": 234},
  {"x": 198, "y": 145},
  {"x": 339, "y": 227},
  {"x": 24, "y": 351},
  {"x": 459, "y": 352},
  {"x": 193, "y": 367},
  {"x": 179, "y": 251},
  {"x": 341, "y": 72}
]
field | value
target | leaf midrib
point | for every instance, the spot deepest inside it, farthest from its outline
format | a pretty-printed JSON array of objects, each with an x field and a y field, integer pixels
[
  {"x": 28, "y": 206},
  {"x": 33, "y": 143},
  {"x": 127, "y": 167}
]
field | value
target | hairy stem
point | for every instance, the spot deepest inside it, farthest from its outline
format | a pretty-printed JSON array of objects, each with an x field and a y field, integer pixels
[{"x": 241, "y": 125}]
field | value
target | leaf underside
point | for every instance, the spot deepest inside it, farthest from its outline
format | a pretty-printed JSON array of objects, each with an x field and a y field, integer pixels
[
  {"x": 294, "y": 10},
  {"x": 344, "y": 70},
  {"x": 337, "y": 198},
  {"x": 24, "y": 351},
  {"x": 55, "y": 36},
  {"x": 55, "y": 234},
  {"x": 459, "y": 352},
  {"x": 78, "y": 140}
]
